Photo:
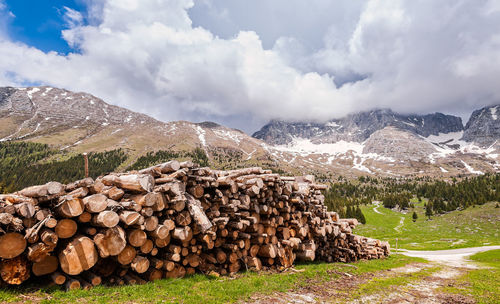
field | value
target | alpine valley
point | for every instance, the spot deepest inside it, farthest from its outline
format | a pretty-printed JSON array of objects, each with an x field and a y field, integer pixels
[{"x": 378, "y": 142}]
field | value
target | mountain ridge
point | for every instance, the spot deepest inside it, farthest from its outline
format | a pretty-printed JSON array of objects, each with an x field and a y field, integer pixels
[{"x": 379, "y": 142}]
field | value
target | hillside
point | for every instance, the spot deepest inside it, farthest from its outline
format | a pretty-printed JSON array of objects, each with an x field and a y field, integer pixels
[
  {"x": 379, "y": 142},
  {"x": 472, "y": 227}
]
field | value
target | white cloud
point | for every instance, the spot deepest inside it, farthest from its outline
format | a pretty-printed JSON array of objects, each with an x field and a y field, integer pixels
[{"x": 148, "y": 56}]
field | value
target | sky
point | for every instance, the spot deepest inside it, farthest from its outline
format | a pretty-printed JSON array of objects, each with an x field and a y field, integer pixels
[{"x": 242, "y": 63}]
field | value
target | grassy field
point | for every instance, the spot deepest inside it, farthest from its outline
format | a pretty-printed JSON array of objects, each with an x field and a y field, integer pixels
[
  {"x": 484, "y": 283},
  {"x": 475, "y": 226},
  {"x": 206, "y": 289}
]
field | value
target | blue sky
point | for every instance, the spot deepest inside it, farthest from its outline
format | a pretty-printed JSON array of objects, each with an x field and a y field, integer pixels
[{"x": 39, "y": 23}]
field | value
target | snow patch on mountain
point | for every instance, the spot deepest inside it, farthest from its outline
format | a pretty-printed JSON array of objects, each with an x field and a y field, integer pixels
[
  {"x": 493, "y": 112},
  {"x": 31, "y": 92},
  {"x": 225, "y": 134},
  {"x": 201, "y": 134},
  {"x": 470, "y": 169}
]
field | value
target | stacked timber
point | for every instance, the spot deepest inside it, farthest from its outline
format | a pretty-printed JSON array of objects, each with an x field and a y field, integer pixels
[{"x": 170, "y": 220}]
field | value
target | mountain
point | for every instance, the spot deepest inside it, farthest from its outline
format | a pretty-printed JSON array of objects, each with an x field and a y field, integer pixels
[
  {"x": 483, "y": 127},
  {"x": 358, "y": 127},
  {"x": 75, "y": 122},
  {"x": 383, "y": 142},
  {"x": 378, "y": 142}
]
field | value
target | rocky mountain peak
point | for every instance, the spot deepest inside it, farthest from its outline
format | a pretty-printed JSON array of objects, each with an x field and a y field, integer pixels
[
  {"x": 483, "y": 127},
  {"x": 358, "y": 127}
]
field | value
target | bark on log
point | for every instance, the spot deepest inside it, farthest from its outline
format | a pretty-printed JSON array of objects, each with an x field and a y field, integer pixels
[
  {"x": 196, "y": 211},
  {"x": 132, "y": 182},
  {"x": 50, "y": 188}
]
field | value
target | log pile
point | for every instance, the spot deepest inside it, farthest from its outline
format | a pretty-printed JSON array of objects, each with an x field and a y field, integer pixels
[{"x": 170, "y": 220}]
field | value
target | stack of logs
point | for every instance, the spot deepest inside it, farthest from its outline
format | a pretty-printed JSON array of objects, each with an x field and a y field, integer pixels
[{"x": 170, "y": 220}]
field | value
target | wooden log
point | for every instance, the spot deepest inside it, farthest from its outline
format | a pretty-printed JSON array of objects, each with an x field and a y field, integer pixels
[
  {"x": 268, "y": 251},
  {"x": 111, "y": 242},
  {"x": 161, "y": 232},
  {"x": 14, "y": 271},
  {"x": 132, "y": 182},
  {"x": 66, "y": 228},
  {"x": 86, "y": 182},
  {"x": 114, "y": 193},
  {"x": 91, "y": 277},
  {"x": 306, "y": 255},
  {"x": 50, "y": 188},
  {"x": 39, "y": 251},
  {"x": 85, "y": 217},
  {"x": 72, "y": 284},
  {"x": 95, "y": 203},
  {"x": 25, "y": 209},
  {"x": 6, "y": 218},
  {"x": 169, "y": 224},
  {"x": 145, "y": 199},
  {"x": 49, "y": 237},
  {"x": 12, "y": 244},
  {"x": 150, "y": 223},
  {"x": 70, "y": 206},
  {"x": 106, "y": 218},
  {"x": 79, "y": 255},
  {"x": 164, "y": 168},
  {"x": 196, "y": 211},
  {"x": 136, "y": 237},
  {"x": 51, "y": 223},
  {"x": 46, "y": 266},
  {"x": 183, "y": 218},
  {"x": 196, "y": 191},
  {"x": 177, "y": 272},
  {"x": 140, "y": 264},
  {"x": 152, "y": 274},
  {"x": 147, "y": 247},
  {"x": 127, "y": 255},
  {"x": 80, "y": 192},
  {"x": 129, "y": 217},
  {"x": 182, "y": 234},
  {"x": 58, "y": 278}
]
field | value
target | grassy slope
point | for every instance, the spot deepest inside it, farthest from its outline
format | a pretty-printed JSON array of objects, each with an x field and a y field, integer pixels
[
  {"x": 484, "y": 283},
  {"x": 468, "y": 228},
  {"x": 205, "y": 289}
]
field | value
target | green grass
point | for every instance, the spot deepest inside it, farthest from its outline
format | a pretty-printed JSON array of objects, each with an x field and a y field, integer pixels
[
  {"x": 475, "y": 226},
  {"x": 484, "y": 283},
  {"x": 205, "y": 289}
]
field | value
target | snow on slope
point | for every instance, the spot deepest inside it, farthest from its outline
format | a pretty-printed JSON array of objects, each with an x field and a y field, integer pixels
[
  {"x": 470, "y": 169},
  {"x": 339, "y": 150}
]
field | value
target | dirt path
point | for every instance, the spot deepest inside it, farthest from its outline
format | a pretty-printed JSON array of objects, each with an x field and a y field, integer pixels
[
  {"x": 400, "y": 225},
  {"x": 420, "y": 283},
  {"x": 452, "y": 257},
  {"x": 375, "y": 209}
]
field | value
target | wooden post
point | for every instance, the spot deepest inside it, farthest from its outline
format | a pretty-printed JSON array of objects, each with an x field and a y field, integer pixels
[{"x": 86, "y": 159}]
